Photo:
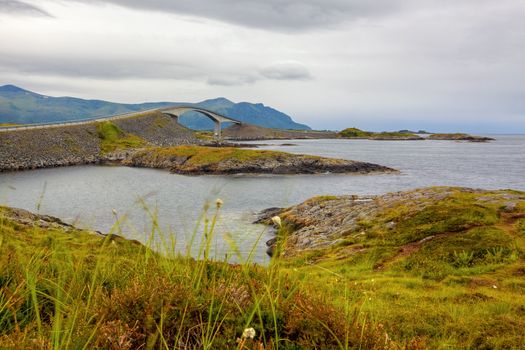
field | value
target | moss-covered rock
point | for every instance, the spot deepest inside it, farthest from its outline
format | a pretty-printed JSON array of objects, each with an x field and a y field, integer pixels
[{"x": 443, "y": 224}]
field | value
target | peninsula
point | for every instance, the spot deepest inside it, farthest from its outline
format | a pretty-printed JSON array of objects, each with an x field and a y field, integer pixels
[{"x": 199, "y": 160}]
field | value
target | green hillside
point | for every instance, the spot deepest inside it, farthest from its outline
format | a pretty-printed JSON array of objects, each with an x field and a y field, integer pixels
[{"x": 19, "y": 106}]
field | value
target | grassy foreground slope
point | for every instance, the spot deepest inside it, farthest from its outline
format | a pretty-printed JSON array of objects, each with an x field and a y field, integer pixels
[
  {"x": 62, "y": 288},
  {"x": 432, "y": 268},
  {"x": 437, "y": 267}
]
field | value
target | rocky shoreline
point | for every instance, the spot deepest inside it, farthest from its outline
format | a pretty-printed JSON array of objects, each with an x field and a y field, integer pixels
[
  {"x": 27, "y": 219},
  {"x": 29, "y": 163},
  {"x": 274, "y": 163}
]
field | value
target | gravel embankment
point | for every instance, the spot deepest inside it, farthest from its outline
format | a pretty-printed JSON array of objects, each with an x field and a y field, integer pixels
[{"x": 80, "y": 144}]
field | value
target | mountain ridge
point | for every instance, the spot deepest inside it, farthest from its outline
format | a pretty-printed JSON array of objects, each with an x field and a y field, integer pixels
[{"x": 21, "y": 106}]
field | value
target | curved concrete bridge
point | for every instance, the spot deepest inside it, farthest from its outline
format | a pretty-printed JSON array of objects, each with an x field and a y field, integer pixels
[
  {"x": 173, "y": 112},
  {"x": 218, "y": 119}
]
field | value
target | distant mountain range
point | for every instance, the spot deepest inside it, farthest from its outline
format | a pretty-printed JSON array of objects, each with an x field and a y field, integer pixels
[{"x": 19, "y": 106}]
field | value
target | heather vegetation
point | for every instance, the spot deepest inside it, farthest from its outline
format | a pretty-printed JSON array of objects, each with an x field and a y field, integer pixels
[
  {"x": 67, "y": 289},
  {"x": 439, "y": 268},
  {"x": 433, "y": 279}
]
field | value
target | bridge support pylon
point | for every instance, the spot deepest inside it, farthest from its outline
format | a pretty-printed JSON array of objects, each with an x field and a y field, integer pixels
[{"x": 217, "y": 131}]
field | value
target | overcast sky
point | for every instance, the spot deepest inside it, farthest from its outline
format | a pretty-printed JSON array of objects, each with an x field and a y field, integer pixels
[{"x": 443, "y": 65}]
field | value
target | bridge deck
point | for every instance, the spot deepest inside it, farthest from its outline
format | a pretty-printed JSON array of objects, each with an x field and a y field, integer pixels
[{"x": 181, "y": 109}]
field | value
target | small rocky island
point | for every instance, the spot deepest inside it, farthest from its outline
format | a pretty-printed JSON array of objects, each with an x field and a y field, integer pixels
[
  {"x": 200, "y": 160},
  {"x": 355, "y": 133},
  {"x": 403, "y": 135},
  {"x": 460, "y": 137}
]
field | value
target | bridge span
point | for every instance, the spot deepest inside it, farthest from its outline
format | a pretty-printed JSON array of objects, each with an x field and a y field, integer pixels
[{"x": 218, "y": 119}]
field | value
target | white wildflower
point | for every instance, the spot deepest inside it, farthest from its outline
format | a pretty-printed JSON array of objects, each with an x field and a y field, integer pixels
[
  {"x": 277, "y": 221},
  {"x": 219, "y": 202},
  {"x": 494, "y": 286},
  {"x": 248, "y": 333}
]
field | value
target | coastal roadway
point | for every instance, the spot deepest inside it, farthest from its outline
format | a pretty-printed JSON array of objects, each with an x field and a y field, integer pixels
[{"x": 174, "y": 112}]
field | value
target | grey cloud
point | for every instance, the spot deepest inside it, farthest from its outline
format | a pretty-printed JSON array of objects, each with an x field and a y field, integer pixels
[
  {"x": 100, "y": 68},
  {"x": 114, "y": 68},
  {"x": 15, "y": 7},
  {"x": 286, "y": 71},
  {"x": 230, "y": 80},
  {"x": 279, "y": 15}
]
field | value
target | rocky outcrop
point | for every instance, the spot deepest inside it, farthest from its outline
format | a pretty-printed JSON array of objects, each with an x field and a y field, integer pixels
[
  {"x": 398, "y": 218},
  {"x": 28, "y": 219},
  {"x": 24, "y": 219},
  {"x": 206, "y": 160}
]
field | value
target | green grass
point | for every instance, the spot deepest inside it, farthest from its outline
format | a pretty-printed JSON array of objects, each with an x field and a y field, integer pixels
[
  {"x": 463, "y": 289},
  {"x": 113, "y": 139},
  {"x": 77, "y": 290},
  {"x": 521, "y": 226},
  {"x": 199, "y": 155},
  {"x": 360, "y": 134},
  {"x": 205, "y": 135},
  {"x": 393, "y": 134},
  {"x": 449, "y": 135},
  {"x": 355, "y": 133}
]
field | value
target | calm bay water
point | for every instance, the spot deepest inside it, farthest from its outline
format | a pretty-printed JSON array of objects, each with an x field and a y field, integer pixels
[{"x": 87, "y": 195}]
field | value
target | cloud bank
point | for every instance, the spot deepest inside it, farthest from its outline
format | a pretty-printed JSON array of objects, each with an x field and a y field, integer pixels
[
  {"x": 15, "y": 7},
  {"x": 279, "y": 15},
  {"x": 441, "y": 65}
]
